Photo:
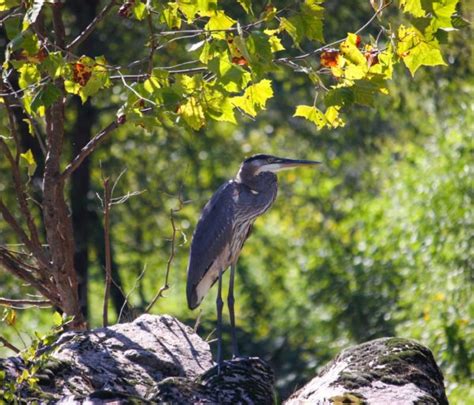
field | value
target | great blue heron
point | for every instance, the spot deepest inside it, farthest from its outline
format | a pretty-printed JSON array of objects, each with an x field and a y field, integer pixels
[{"x": 224, "y": 226}]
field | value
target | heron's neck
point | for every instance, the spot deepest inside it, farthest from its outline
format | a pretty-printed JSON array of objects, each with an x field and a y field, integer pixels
[{"x": 259, "y": 183}]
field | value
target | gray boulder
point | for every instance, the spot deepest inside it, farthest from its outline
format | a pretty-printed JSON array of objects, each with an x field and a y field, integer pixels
[
  {"x": 384, "y": 371},
  {"x": 153, "y": 359}
]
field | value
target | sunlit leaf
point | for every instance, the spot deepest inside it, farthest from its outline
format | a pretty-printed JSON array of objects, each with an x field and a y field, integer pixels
[
  {"x": 170, "y": 16},
  {"x": 57, "y": 319},
  {"x": 414, "y": 7},
  {"x": 8, "y": 4},
  {"x": 29, "y": 74},
  {"x": 254, "y": 98},
  {"x": 139, "y": 10},
  {"x": 30, "y": 161},
  {"x": 193, "y": 113},
  {"x": 246, "y": 5},
  {"x": 218, "y": 23},
  {"x": 311, "y": 113},
  {"x": 415, "y": 50},
  {"x": 193, "y": 8}
]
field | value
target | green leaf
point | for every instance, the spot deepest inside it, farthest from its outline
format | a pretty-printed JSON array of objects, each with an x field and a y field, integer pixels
[
  {"x": 45, "y": 97},
  {"x": 29, "y": 74},
  {"x": 193, "y": 113},
  {"x": 415, "y": 50},
  {"x": 54, "y": 64},
  {"x": 8, "y": 4},
  {"x": 443, "y": 10},
  {"x": 259, "y": 53},
  {"x": 219, "y": 106},
  {"x": 187, "y": 84},
  {"x": 170, "y": 16},
  {"x": 12, "y": 27},
  {"x": 254, "y": 98},
  {"x": 232, "y": 78},
  {"x": 209, "y": 51},
  {"x": 308, "y": 23},
  {"x": 366, "y": 90},
  {"x": 193, "y": 8},
  {"x": 139, "y": 10},
  {"x": 30, "y": 160},
  {"x": 339, "y": 97},
  {"x": 246, "y": 5},
  {"x": 275, "y": 43},
  {"x": 414, "y": 7},
  {"x": 312, "y": 114},
  {"x": 333, "y": 118},
  {"x": 219, "y": 21},
  {"x": 312, "y": 18},
  {"x": 57, "y": 319}
]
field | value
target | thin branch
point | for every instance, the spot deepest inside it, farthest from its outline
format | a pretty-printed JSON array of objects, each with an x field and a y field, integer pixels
[
  {"x": 15, "y": 226},
  {"x": 134, "y": 91},
  {"x": 89, "y": 148},
  {"x": 24, "y": 304},
  {"x": 166, "y": 286},
  {"x": 91, "y": 27},
  {"x": 139, "y": 278},
  {"x": 27, "y": 273},
  {"x": 6, "y": 343},
  {"x": 108, "y": 255}
]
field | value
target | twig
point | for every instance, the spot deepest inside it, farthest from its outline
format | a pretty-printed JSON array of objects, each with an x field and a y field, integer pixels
[
  {"x": 166, "y": 286},
  {"x": 108, "y": 255},
  {"x": 23, "y": 304},
  {"x": 139, "y": 278},
  {"x": 134, "y": 91},
  {"x": 89, "y": 148},
  {"x": 6, "y": 343},
  {"x": 20, "y": 269},
  {"x": 198, "y": 321},
  {"x": 91, "y": 27}
]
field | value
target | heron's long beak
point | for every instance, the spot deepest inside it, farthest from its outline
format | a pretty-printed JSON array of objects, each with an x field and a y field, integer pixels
[{"x": 285, "y": 164}]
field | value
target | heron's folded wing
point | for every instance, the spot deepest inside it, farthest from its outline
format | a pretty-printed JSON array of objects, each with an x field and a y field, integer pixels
[{"x": 212, "y": 235}]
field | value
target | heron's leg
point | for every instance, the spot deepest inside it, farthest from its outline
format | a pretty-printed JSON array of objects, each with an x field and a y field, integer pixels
[
  {"x": 230, "y": 302},
  {"x": 220, "y": 305}
]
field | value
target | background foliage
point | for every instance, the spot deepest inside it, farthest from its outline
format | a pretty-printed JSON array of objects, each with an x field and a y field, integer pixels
[{"x": 378, "y": 242}]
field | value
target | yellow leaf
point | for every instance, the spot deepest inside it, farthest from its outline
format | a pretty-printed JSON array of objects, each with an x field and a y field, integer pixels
[
  {"x": 218, "y": 23},
  {"x": 254, "y": 98},
  {"x": 193, "y": 113},
  {"x": 30, "y": 160}
]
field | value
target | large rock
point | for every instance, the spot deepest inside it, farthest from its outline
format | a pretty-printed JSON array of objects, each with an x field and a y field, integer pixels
[
  {"x": 154, "y": 358},
  {"x": 384, "y": 371}
]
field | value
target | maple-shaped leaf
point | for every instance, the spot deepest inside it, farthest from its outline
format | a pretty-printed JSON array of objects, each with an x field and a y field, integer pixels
[
  {"x": 254, "y": 98},
  {"x": 311, "y": 113},
  {"x": 330, "y": 118},
  {"x": 416, "y": 50}
]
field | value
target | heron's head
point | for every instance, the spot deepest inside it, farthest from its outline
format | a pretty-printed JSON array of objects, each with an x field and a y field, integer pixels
[{"x": 257, "y": 164}]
